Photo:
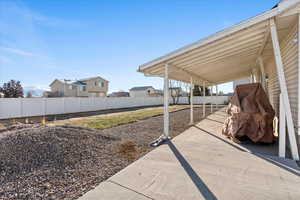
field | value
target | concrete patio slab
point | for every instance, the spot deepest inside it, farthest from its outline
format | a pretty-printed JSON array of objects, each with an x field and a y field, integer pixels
[
  {"x": 201, "y": 164},
  {"x": 110, "y": 190}
]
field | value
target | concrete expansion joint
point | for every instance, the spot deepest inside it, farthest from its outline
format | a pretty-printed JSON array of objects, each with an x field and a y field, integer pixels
[{"x": 113, "y": 182}]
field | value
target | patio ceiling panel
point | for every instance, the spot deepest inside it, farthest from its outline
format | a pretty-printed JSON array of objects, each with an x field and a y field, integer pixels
[
  {"x": 240, "y": 48},
  {"x": 226, "y": 55}
]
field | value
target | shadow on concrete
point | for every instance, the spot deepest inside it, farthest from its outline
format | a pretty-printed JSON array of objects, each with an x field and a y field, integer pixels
[
  {"x": 286, "y": 164},
  {"x": 201, "y": 186}
]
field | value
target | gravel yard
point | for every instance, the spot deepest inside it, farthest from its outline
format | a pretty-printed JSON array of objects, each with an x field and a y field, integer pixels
[{"x": 64, "y": 162}]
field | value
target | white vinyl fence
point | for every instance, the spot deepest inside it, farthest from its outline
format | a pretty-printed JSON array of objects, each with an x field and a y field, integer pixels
[{"x": 28, "y": 107}]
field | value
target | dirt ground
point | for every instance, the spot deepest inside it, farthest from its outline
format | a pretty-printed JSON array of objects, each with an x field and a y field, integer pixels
[{"x": 64, "y": 162}]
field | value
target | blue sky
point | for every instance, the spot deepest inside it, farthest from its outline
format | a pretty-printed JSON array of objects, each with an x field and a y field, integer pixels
[{"x": 44, "y": 40}]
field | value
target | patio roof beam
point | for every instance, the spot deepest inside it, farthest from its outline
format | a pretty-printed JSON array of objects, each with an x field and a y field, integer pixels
[{"x": 265, "y": 41}]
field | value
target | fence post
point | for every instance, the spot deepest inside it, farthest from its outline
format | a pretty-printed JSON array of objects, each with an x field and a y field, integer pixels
[
  {"x": 45, "y": 112},
  {"x": 21, "y": 107}
]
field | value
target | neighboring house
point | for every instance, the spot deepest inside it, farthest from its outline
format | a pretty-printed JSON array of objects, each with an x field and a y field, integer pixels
[
  {"x": 143, "y": 91},
  {"x": 119, "y": 94},
  {"x": 176, "y": 92},
  {"x": 240, "y": 82},
  {"x": 149, "y": 91},
  {"x": 157, "y": 93},
  {"x": 88, "y": 87}
]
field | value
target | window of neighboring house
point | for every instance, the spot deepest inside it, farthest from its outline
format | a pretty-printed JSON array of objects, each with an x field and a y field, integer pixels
[
  {"x": 83, "y": 88},
  {"x": 101, "y": 84},
  {"x": 70, "y": 87}
]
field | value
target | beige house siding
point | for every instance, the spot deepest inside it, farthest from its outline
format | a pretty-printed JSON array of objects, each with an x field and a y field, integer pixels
[
  {"x": 289, "y": 51},
  {"x": 273, "y": 85},
  {"x": 80, "y": 92},
  {"x": 58, "y": 86},
  {"x": 142, "y": 93},
  {"x": 93, "y": 86}
]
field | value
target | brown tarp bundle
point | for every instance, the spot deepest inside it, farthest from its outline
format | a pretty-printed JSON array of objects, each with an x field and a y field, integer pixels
[{"x": 250, "y": 114}]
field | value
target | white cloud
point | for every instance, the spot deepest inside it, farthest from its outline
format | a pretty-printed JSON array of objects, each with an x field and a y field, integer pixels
[
  {"x": 17, "y": 51},
  {"x": 40, "y": 19}
]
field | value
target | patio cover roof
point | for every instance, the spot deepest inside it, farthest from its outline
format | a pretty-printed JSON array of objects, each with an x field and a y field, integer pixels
[{"x": 227, "y": 55}]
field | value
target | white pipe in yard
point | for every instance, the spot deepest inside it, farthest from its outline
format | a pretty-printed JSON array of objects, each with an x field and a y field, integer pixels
[
  {"x": 203, "y": 98},
  {"x": 166, "y": 102},
  {"x": 191, "y": 101}
]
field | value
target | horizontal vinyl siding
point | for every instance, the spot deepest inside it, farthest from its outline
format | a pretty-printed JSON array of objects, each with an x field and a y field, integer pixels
[
  {"x": 273, "y": 85},
  {"x": 289, "y": 52}
]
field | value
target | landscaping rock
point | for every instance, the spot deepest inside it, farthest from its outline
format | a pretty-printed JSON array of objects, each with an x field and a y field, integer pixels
[{"x": 64, "y": 162}]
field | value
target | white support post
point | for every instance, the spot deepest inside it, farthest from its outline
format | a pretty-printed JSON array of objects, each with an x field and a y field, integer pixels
[
  {"x": 282, "y": 129},
  {"x": 283, "y": 89},
  {"x": 166, "y": 102},
  {"x": 262, "y": 71},
  {"x": 203, "y": 98},
  {"x": 211, "y": 96},
  {"x": 254, "y": 74},
  {"x": 216, "y": 97},
  {"x": 191, "y": 101}
]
